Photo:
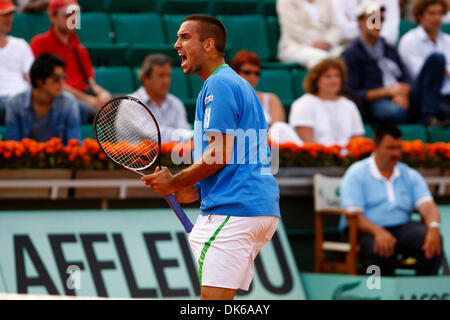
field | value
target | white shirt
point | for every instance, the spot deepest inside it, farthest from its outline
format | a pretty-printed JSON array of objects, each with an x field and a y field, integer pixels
[
  {"x": 312, "y": 10},
  {"x": 415, "y": 47},
  {"x": 346, "y": 15},
  {"x": 446, "y": 18},
  {"x": 171, "y": 116},
  {"x": 333, "y": 122},
  {"x": 16, "y": 59}
]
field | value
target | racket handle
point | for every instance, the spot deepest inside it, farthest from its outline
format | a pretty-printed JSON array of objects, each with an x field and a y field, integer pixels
[{"x": 173, "y": 203}]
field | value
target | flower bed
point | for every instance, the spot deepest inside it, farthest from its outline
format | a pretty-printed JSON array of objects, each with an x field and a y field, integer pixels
[{"x": 87, "y": 154}]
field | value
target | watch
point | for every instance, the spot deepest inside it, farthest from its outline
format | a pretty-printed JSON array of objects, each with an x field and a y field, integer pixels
[{"x": 434, "y": 224}]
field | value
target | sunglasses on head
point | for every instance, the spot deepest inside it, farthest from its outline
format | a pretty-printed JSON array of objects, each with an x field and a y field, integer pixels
[{"x": 248, "y": 72}]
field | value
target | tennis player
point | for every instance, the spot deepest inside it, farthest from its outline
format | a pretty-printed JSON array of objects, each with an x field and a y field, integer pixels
[{"x": 239, "y": 200}]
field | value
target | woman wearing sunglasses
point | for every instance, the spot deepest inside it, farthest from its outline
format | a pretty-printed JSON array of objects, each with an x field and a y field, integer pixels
[{"x": 247, "y": 65}]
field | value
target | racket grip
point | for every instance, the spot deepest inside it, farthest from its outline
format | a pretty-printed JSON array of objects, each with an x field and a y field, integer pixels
[{"x": 173, "y": 203}]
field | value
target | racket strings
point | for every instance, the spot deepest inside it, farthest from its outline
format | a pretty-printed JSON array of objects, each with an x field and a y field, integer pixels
[
  {"x": 128, "y": 133},
  {"x": 128, "y": 149}
]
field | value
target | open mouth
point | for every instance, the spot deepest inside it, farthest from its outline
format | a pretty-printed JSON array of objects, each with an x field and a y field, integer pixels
[{"x": 183, "y": 58}]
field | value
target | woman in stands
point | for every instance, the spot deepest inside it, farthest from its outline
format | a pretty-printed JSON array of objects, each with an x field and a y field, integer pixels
[
  {"x": 323, "y": 115},
  {"x": 247, "y": 65}
]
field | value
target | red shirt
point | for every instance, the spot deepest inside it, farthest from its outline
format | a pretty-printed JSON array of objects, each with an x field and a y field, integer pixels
[{"x": 48, "y": 42}]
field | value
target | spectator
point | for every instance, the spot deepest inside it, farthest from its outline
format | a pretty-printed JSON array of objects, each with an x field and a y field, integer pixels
[
  {"x": 309, "y": 31},
  {"x": 323, "y": 115},
  {"x": 169, "y": 111},
  {"x": 406, "y": 9},
  {"x": 383, "y": 192},
  {"x": 31, "y": 5},
  {"x": 45, "y": 111},
  {"x": 426, "y": 52},
  {"x": 62, "y": 40},
  {"x": 377, "y": 75},
  {"x": 446, "y": 18},
  {"x": 346, "y": 13},
  {"x": 15, "y": 58},
  {"x": 247, "y": 65}
]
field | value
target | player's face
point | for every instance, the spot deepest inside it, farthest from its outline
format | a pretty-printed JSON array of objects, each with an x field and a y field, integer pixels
[
  {"x": 158, "y": 82},
  {"x": 389, "y": 151},
  {"x": 251, "y": 73},
  {"x": 189, "y": 47},
  {"x": 6, "y": 21},
  {"x": 330, "y": 82},
  {"x": 431, "y": 19}
]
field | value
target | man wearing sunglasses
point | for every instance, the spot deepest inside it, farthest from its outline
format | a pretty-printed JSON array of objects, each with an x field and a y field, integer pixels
[{"x": 45, "y": 111}]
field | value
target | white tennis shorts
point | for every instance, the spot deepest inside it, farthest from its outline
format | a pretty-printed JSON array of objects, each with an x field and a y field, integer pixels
[{"x": 225, "y": 248}]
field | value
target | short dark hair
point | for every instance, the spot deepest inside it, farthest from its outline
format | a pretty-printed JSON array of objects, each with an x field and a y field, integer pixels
[
  {"x": 420, "y": 6},
  {"x": 152, "y": 60},
  {"x": 211, "y": 27},
  {"x": 43, "y": 67},
  {"x": 383, "y": 130}
]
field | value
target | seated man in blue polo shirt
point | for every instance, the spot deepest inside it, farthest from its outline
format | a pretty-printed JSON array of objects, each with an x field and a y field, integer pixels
[{"x": 384, "y": 192}]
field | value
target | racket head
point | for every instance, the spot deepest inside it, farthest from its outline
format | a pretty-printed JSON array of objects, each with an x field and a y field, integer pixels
[{"x": 128, "y": 133}]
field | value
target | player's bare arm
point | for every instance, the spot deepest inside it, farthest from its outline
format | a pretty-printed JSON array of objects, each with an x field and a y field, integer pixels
[{"x": 215, "y": 157}]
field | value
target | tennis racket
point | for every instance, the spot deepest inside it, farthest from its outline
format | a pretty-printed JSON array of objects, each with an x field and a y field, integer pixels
[{"x": 128, "y": 133}]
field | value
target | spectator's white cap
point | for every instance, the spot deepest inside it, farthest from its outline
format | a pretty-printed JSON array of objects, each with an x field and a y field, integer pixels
[{"x": 369, "y": 7}]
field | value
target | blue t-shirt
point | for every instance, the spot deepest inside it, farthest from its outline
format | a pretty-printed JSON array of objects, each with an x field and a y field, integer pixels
[
  {"x": 387, "y": 203},
  {"x": 245, "y": 187}
]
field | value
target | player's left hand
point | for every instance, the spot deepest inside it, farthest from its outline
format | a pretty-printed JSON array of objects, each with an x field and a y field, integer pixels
[{"x": 161, "y": 181}]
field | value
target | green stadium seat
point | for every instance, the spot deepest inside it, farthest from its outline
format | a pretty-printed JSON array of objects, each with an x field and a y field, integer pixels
[
  {"x": 298, "y": 75},
  {"x": 242, "y": 28},
  {"x": 183, "y": 6},
  {"x": 179, "y": 86},
  {"x": 368, "y": 131},
  {"x": 405, "y": 26},
  {"x": 94, "y": 5},
  {"x": 132, "y": 6},
  {"x": 117, "y": 80},
  {"x": 137, "y": 81},
  {"x": 267, "y": 8},
  {"x": 27, "y": 25},
  {"x": 103, "y": 54},
  {"x": 273, "y": 33},
  {"x": 279, "y": 82},
  {"x": 195, "y": 85},
  {"x": 94, "y": 28},
  {"x": 172, "y": 23},
  {"x": 138, "y": 28},
  {"x": 138, "y": 52},
  {"x": 413, "y": 132},
  {"x": 446, "y": 28},
  {"x": 438, "y": 134},
  {"x": 144, "y": 33},
  {"x": 2, "y": 133},
  {"x": 87, "y": 131},
  {"x": 233, "y": 7}
]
